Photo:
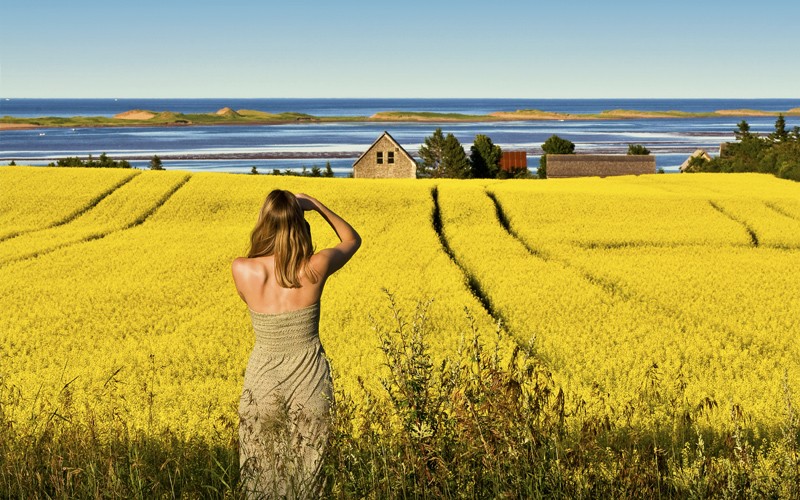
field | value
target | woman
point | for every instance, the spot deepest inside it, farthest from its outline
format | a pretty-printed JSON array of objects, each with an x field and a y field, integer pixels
[{"x": 285, "y": 402}]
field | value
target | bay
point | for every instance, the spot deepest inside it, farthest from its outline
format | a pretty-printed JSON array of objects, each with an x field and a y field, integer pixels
[{"x": 237, "y": 148}]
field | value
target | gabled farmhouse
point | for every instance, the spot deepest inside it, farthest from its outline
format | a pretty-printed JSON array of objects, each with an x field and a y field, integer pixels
[{"x": 386, "y": 158}]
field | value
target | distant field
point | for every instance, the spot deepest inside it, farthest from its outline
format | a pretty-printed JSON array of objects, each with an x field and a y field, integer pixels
[{"x": 124, "y": 283}]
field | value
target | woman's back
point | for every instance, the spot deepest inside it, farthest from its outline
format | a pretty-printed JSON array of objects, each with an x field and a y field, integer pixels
[{"x": 261, "y": 291}]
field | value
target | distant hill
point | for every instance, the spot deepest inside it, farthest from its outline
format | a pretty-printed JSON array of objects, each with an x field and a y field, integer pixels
[{"x": 135, "y": 114}]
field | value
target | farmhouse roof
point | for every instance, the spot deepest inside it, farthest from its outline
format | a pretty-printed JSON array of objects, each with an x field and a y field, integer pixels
[
  {"x": 588, "y": 165},
  {"x": 387, "y": 134},
  {"x": 698, "y": 152}
]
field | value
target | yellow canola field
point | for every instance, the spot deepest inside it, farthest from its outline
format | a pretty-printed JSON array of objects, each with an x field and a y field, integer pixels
[
  {"x": 37, "y": 198},
  {"x": 122, "y": 208},
  {"x": 736, "y": 304},
  {"x": 625, "y": 272},
  {"x": 741, "y": 306},
  {"x": 150, "y": 313}
]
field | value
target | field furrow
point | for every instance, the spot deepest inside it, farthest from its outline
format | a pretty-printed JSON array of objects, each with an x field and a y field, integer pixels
[
  {"x": 127, "y": 206},
  {"x": 599, "y": 328},
  {"x": 32, "y": 199},
  {"x": 611, "y": 277},
  {"x": 773, "y": 226},
  {"x": 164, "y": 289}
]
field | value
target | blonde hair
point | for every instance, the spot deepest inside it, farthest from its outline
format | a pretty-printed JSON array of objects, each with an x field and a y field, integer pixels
[{"x": 282, "y": 231}]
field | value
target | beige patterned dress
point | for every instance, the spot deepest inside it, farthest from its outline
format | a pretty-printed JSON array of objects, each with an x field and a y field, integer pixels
[{"x": 284, "y": 407}]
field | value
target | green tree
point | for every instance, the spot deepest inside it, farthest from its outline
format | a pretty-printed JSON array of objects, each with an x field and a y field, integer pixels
[
  {"x": 105, "y": 161},
  {"x": 328, "y": 170},
  {"x": 254, "y": 170},
  {"x": 554, "y": 145},
  {"x": 743, "y": 131},
  {"x": 156, "y": 164},
  {"x": 316, "y": 171},
  {"x": 484, "y": 158},
  {"x": 519, "y": 173},
  {"x": 443, "y": 156},
  {"x": 777, "y": 154},
  {"x": 12, "y": 163},
  {"x": 697, "y": 164},
  {"x": 780, "y": 134},
  {"x": 431, "y": 153},
  {"x": 637, "y": 149},
  {"x": 455, "y": 162}
]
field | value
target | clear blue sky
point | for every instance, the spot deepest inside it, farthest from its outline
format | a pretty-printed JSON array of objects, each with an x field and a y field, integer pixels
[{"x": 350, "y": 48}]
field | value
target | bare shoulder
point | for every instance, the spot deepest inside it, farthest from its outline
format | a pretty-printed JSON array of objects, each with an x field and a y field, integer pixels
[
  {"x": 244, "y": 268},
  {"x": 318, "y": 262},
  {"x": 240, "y": 265}
]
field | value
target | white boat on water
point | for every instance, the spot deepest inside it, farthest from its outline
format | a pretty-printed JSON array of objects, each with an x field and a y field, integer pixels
[{"x": 41, "y": 133}]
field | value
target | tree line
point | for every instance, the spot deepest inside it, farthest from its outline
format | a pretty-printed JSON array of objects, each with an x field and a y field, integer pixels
[
  {"x": 102, "y": 162},
  {"x": 777, "y": 153},
  {"x": 444, "y": 156}
]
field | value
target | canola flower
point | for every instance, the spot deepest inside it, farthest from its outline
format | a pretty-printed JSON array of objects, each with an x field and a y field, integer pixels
[
  {"x": 32, "y": 199},
  {"x": 124, "y": 207},
  {"x": 611, "y": 277},
  {"x": 735, "y": 304}
]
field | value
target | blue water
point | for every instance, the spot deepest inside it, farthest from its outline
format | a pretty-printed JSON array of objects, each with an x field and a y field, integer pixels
[
  {"x": 366, "y": 107},
  {"x": 293, "y": 146}
]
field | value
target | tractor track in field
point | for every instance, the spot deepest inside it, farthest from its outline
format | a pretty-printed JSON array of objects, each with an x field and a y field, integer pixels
[
  {"x": 745, "y": 225},
  {"x": 140, "y": 220},
  {"x": 77, "y": 213},
  {"x": 472, "y": 282},
  {"x": 779, "y": 210},
  {"x": 610, "y": 287}
]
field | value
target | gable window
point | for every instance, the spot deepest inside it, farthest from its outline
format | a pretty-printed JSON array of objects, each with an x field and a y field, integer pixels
[
  {"x": 390, "y": 157},
  {"x": 380, "y": 157}
]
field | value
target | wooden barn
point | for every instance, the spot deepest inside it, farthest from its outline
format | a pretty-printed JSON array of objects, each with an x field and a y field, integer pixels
[
  {"x": 599, "y": 165},
  {"x": 514, "y": 161},
  {"x": 386, "y": 158}
]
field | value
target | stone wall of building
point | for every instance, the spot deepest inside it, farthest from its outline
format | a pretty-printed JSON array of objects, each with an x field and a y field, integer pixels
[
  {"x": 599, "y": 165},
  {"x": 395, "y": 162}
]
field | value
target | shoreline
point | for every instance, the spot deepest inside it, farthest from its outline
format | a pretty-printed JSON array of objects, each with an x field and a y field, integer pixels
[
  {"x": 289, "y": 155},
  {"x": 139, "y": 118},
  {"x": 297, "y": 155}
]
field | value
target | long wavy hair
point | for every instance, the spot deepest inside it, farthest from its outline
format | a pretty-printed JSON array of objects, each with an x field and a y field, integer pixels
[{"x": 282, "y": 231}]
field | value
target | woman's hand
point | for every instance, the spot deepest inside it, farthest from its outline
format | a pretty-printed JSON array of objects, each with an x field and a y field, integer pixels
[{"x": 306, "y": 202}]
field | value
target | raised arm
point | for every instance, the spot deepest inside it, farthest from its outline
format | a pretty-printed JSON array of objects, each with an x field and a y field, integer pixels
[{"x": 336, "y": 257}]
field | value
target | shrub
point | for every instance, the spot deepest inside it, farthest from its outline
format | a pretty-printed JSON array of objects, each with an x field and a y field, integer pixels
[{"x": 637, "y": 149}]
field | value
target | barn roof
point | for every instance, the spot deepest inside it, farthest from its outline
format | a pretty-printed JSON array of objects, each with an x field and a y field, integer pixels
[
  {"x": 587, "y": 165},
  {"x": 387, "y": 134}
]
